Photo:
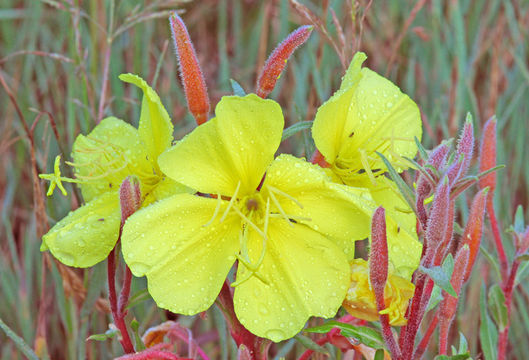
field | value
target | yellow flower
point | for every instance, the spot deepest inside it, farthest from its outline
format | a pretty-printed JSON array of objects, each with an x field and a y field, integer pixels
[
  {"x": 360, "y": 300},
  {"x": 368, "y": 114},
  {"x": 102, "y": 160},
  {"x": 283, "y": 220}
]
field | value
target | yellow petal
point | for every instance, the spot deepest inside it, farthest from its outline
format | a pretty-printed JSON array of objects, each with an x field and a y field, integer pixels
[
  {"x": 404, "y": 247},
  {"x": 237, "y": 145},
  {"x": 367, "y": 114},
  {"x": 185, "y": 262},
  {"x": 339, "y": 212},
  {"x": 306, "y": 274},
  {"x": 331, "y": 126},
  {"x": 382, "y": 119},
  {"x": 360, "y": 300},
  {"x": 106, "y": 156},
  {"x": 85, "y": 236},
  {"x": 165, "y": 188},
  {"x": 155, "y": 127}
]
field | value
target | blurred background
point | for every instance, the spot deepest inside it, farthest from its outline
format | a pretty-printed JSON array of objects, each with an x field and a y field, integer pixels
[{"x": 60, "y": 61}]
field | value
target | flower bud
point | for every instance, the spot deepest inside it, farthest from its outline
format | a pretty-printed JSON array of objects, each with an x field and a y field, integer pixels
[
  {"x": 129, "y": 196},
  {"x": 474, "y": 227},
  {"x": 276, "y": 62},
  {"x": 378, "y": 256},
  {"x": 192, "y": 79},
  {"x": 465, "y": 145},
  {"x": 487, "y": 155},
  {"x": 437, "y": 221}
]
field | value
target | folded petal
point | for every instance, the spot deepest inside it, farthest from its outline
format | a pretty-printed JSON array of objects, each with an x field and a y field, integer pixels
[
  {"x": 382, "y": 119},
  {"x": 404, "y": 247},
  {"x": 165, "y": 188},
  {"x": 85, "y": 236},
  {"x": 306, "y": 275},
  {"x": 184, "y": 256},
  {"x": 339, "y": 212},
  {"x": 237, "y": 145},
  {"x": 155, "y": 128},
  {"x": 331, "y": 126},
  {"x": 111, "y": 152}
]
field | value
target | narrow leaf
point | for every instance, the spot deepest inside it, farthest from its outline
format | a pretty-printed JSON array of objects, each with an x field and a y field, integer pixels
[
  {"x": 19, "y": 342},
  {"x": 297, "y": 127},
  {"x": 497, "y": 306},
  {"x": 405, "y": 190},
  {"x": 309, "y": 344},
  {"x": 488, "y": 333},
  {"x": 237, "y": 88},
  {"x": 365, "y": 335}
]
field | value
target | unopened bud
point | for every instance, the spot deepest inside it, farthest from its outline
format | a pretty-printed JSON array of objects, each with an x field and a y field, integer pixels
[
  {"x": 465, "y": 146},
  {"x": 378, "y": 256},
  {"x": 447, "y": 309},
  {"x": 474, "y": 227},
  {"x": 192, "y": 79},
  {"x": 437, "y": 220},
  {"x": 276, "y": 62},
  {"x": 487, "y": 155},
  {"x": 129, "y": 196}
]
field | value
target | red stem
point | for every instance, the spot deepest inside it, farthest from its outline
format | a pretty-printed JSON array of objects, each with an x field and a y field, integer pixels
[
  {"x": 423, "y": 344},
  {"x": 125, "y": 292},
  {"x": 507, "y": 291},
  {"x": 497, "y": 239},
  {"x": 117, "y": 315},
  {"x": 104, "y": 83},
  {"x": 257, "y": 346}
]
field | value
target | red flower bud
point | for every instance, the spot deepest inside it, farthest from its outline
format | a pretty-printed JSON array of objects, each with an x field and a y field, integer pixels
[
  {"x": 474, "y": 227},
  {"x": 129, "y": 196},
  {"x": 276, "y": 62},
  {"x": 487, "y": 155},
  {"x": 447, "y": 309},
  {"x": 190, "y": 73}
]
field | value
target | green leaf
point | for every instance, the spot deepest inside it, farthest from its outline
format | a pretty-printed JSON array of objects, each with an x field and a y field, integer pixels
[
  {"x": 523, "y": 257},
  {"x": 519, "y": 226},
  {"x": 365, "y": 335},
  {"x": 492, "y": 261},
  {"x": 19, "y": 342},
  {"x": 109, "y": 334},
  {"x": 237, "y": 88},
  {"x": 463, "y": 344},
  {"x": 137, "y": 298},
  {"x": 437, "y": 296},
  {"x": 440, "y": 278},
  {"x": 379, "y": 355},
  {"x": 309, "y": 344},
  {"x": 135, "y": 326},
  {"x": 422, "y": 151},
  {"x": 488, "y": 333},
  {"x": 453, "y": 357},
  {"x": 297, "y": 127},
  {"x": 497, "y": 306},
  {"x": 405, "y": 190}
]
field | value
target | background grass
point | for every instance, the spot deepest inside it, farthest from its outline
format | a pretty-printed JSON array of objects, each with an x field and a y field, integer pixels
[{"x": 62, "y": 57}]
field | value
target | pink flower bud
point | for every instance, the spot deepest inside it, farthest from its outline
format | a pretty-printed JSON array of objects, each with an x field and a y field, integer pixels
[
  {"x": 129, "y": 196},
  {"x": 190, "y": 73},
  {"x": 437, "y": 220},
  {"x": 474, "y": 228},
  {"x": 438, "y": 155},
  {"x": 465, "y": 145},
  {"x": 277, "y": 60},
  {"x": 378, "y": 256},
  {"x": 487, "y": 155}
]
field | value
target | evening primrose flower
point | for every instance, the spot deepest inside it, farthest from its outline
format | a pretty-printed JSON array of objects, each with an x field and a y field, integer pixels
[
  {"x": 285, "y": 223},
  {"x": 360, "y": 300},
  {"x": 369, "y": 114},
  {"x": 101, "y": 161}
]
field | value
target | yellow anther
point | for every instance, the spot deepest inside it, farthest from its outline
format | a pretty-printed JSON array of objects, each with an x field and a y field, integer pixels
[{"x": 216, "y": 212}]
